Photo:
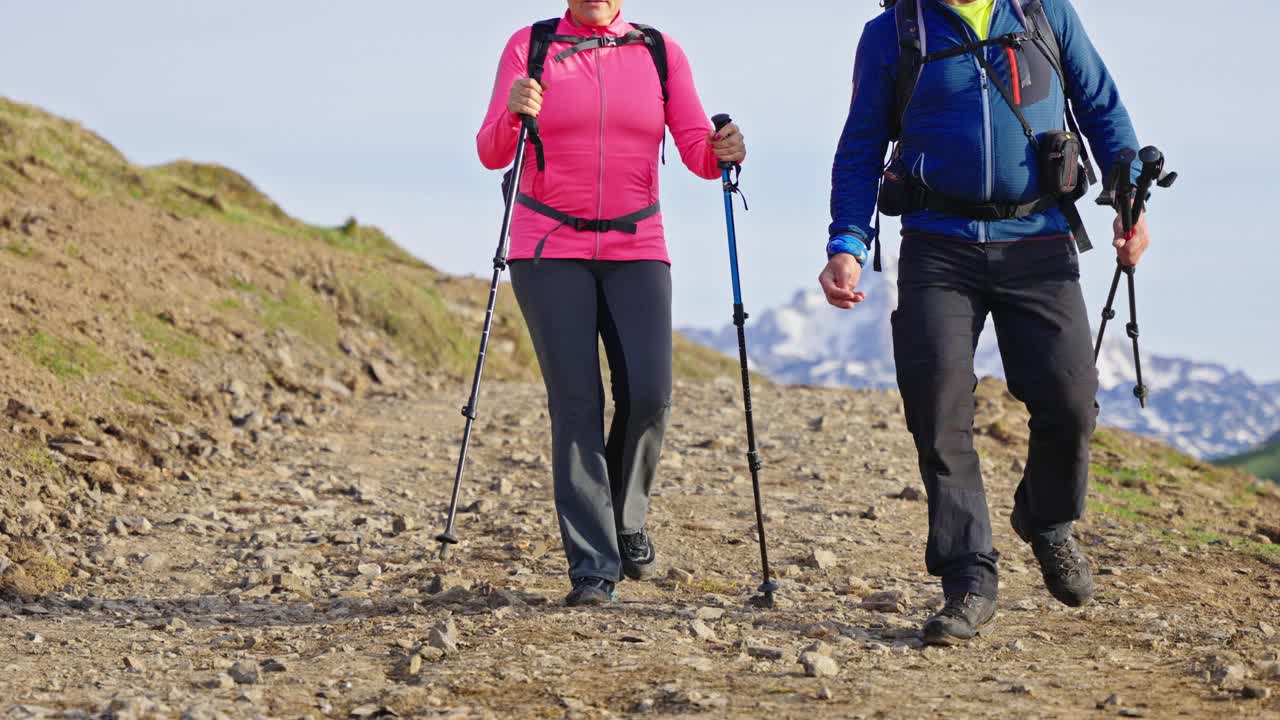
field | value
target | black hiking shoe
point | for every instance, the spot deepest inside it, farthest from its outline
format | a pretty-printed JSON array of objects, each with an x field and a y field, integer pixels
[
  {"x": 639, "y": 558},
  {"x": 1066, "y": 571},
  {"x": 959, "y": 619},
  {"x": 590, "y": 591}
]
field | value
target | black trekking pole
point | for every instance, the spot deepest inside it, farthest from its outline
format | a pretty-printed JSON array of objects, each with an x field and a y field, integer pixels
[
  {"x": 1130, "y": 202},
  {"x": 448, "y": 538},
  {"x": 768, "y": 587}
]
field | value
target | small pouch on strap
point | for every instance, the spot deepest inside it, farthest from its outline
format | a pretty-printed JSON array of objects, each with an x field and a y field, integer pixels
[{"x": 1060, "y": 163}]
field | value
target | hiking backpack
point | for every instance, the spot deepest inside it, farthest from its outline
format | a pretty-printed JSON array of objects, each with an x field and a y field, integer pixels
[
  {"x": 913, "y": 56},
  {"x": 544, "y": 35}
]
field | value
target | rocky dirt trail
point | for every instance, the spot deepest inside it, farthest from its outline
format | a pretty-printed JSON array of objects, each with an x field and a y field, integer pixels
[{"x": 306, "y": 584}]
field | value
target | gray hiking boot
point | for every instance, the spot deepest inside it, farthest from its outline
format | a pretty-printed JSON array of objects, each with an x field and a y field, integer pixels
[
  {"x": 959, "y": 620},
  {"x": 590, "y": 591},
  {"x": 1066, "y": 570},
  {"x": 639, "y": 558}
]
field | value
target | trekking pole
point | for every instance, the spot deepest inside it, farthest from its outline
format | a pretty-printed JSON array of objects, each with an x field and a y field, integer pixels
[
  {"x": 448, "y": 538},
  {"x": 768, "y": 587},
  {"x": 1130, "y": 202}
]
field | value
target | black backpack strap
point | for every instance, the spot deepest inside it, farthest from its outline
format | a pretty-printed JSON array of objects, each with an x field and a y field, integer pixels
[
  {"x": 1046, "y": 40},
  {"x": 911, "y": 51},
  {"x": 994, "y": 78},
  {"x": 540, "y": 40},
  {"x": 657, "y": 45}
]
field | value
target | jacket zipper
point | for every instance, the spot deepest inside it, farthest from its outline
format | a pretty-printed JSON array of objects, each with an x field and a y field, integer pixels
[{"x": 600, "y": 188}]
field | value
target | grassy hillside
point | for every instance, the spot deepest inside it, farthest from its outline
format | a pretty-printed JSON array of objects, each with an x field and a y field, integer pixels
[
  {"x": 1263, "y": 462},
  {"x": 156, "y": 319}
]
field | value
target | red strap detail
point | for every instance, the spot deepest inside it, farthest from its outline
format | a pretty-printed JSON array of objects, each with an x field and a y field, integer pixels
[{"x": 1017, "y": 81}]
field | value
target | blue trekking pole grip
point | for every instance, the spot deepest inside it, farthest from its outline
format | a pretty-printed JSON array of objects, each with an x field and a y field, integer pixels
[{"x": 754, "y": 463}]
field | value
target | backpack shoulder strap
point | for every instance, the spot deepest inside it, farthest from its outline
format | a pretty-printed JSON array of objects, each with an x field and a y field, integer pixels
[
  {"x": 911, "y": 51},
  {"x": 539, "y": 45},
  {"x": 1043, "y": 36},
  {"x": 657, "y": 45}
]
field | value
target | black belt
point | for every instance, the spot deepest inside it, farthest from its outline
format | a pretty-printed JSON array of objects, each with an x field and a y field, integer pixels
[{"x": 628, "y": 224}]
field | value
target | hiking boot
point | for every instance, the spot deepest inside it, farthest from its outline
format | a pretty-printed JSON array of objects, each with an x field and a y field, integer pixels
[
  {"x": 959, "y": 619},
  {"x": 1066, "y": 570},
  {"x": 589, "y": 591},
  {"x": 639, "y": 559}
]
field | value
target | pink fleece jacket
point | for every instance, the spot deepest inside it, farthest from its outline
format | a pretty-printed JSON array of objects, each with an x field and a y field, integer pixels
[{"x": 602, "y": 123}]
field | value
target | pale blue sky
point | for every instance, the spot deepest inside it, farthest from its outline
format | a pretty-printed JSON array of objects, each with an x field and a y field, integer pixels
[{"x": 370, "y": 109}]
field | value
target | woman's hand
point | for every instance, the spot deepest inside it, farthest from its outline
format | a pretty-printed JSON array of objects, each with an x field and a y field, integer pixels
[
  {"x": 728, "y": 144},
  {"x": 1130, "y": 250},
  {"x": 525, "y": 98}
]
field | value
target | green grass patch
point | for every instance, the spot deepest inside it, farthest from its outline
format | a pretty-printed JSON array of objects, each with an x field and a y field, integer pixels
[
  {"x": 1263, "y": 462},
  {"x": 166, "y": 338},
  {"x": 67, "y": 360},
  {"x": 1113, "y": 510},
  {"x": 21, "y": 248},
  {"x": 37, "y": 458},
  {"x": 297, "y": 308}
]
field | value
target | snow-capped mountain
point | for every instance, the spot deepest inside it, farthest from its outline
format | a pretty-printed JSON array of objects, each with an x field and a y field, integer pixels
[{"x": 1203, "y": 409}]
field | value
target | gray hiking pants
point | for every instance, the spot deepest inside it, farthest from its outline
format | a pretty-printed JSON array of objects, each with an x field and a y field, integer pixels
[{"x": 601, "y": 484}]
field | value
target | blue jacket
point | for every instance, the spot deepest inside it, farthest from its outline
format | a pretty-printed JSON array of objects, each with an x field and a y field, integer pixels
[{"x": 959, "y": 136}]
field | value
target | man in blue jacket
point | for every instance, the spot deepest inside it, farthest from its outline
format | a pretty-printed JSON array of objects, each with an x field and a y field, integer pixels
[{"x": 976, "y": 242}]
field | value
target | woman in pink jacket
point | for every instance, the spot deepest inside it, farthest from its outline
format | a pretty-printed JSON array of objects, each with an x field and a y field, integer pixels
[{"x": 589, "y": 262}]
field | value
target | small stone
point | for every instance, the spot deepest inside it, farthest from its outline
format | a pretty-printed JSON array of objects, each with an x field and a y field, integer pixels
[
  {"x": 1017, "y": 646},
  {"x": 1021, "y": 689},
  {"x": 245, "y": 672},
  {"x": 414, "y": 665},
  {"x": 343, "y": 537},
  {"x": 431, "y": 654},
  {"x": 909, "y": 493},
  {"x": 1256, "y": 692},
  {"x": 1229, "y": 676},
  {"x": 1269, "y": 671},
  {"x": 222, "y": 681},
  {"x": 819, "y": 665},
  {"x": 822, "y": 559},
  {"x": 155, "y": 562},
  {"x": 1111, "y": 701},
  {"x": 369, "y": 569},
  {"x": 888, "y": 601},
  {"x": 444, "y": 637},
  {"x": 133, "y": 663},
  {"x": 701, "y": 630},
  {"x": 1266, "y": 630},
  {"x": 763, "y": 652},
  {"x": 679, "y": 576},
  {"x": 818, "y": 647},
  {"x": 274, "y": 666},
  {"x": 1130, "y": 712},
  {"x": 402, "y": 524},
  {"x": 870, "y": 513},
  {"x": 34, "y": 638},
  {"x": 709, "y": 614},
  {"x": 825, "y": 694},
  {"x": 289, "y": 582}
]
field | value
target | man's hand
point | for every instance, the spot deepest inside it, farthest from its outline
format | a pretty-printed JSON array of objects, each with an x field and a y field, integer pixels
[
  {"x": 1130, "y": 251},
  {"x": 728, "y": 144},
  {"x": 839, "y": 280}
]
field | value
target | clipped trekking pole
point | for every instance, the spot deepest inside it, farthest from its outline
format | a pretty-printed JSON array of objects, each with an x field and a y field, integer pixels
[
  {"x": 1130, "y": 202},
  {"x": 768, "y": 587},
  {"x": 448, "y": 538}
]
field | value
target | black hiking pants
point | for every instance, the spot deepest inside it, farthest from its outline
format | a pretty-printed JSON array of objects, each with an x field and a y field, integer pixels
[
  {"x": 602, "y": 485},
  {"x": 1032, "y": 291}
]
